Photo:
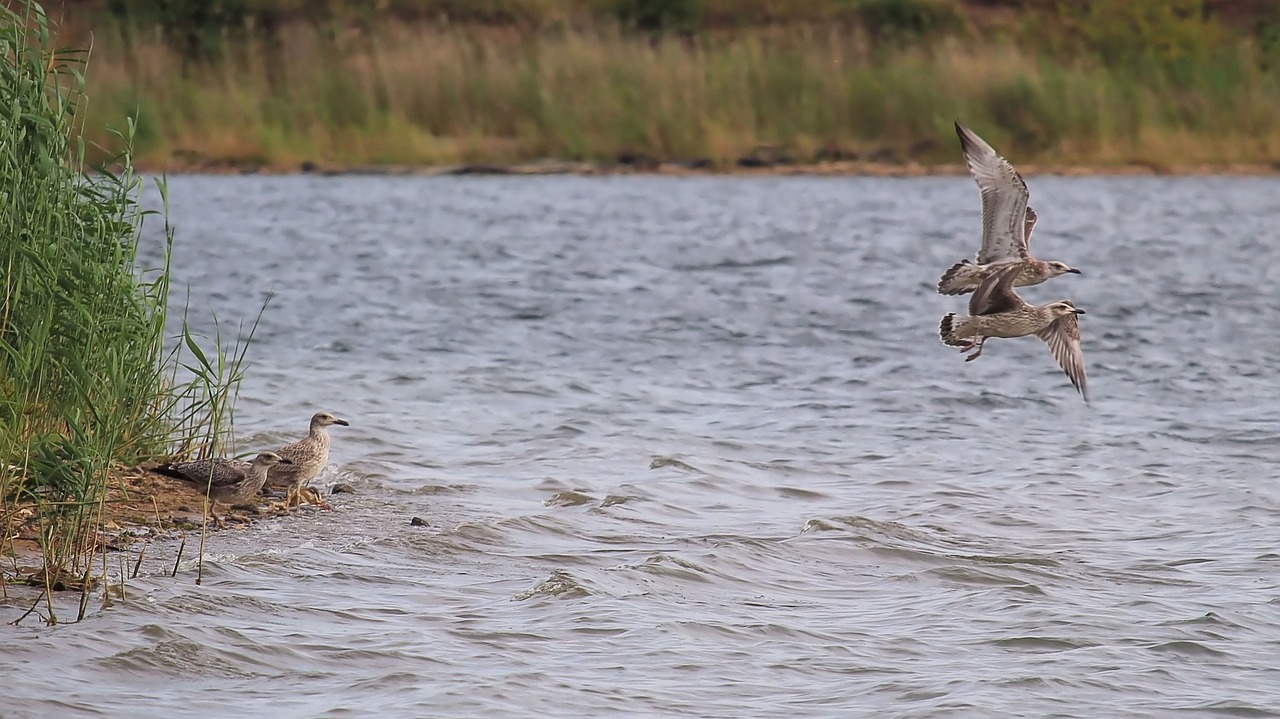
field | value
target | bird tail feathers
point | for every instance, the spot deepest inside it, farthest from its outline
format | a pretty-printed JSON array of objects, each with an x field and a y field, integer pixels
[
  {"x": 951, "y": 330},
  {"x": 168, "y": 471},
  {"x": 960, "y": 278}
]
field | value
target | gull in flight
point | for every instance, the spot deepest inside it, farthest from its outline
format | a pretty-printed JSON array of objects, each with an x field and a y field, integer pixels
[
  {"x": 996, "y": 310},
  {"x": 1007, "y": 222}
]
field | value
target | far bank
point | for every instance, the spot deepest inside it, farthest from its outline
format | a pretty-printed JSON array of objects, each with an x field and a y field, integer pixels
[
  {"x": 388, "y": 93},
  {"x": 701, "y": 169}
]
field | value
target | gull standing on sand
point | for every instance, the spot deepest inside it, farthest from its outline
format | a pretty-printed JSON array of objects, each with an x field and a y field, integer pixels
[
  {"x": 308, "y": 456},
  {"x": 229, "y": 481},
  {"x": 1007, "y": 222},
  {"x": 996, "y": 310}
]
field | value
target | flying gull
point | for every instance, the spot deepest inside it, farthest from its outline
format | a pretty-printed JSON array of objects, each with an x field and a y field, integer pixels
[
  {"x": 1007, "y": 222},
  {"x": 996, "y": 310}
]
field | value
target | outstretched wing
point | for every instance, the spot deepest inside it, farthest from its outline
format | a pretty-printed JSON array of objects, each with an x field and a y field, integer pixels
[
  {"x": 1063, "y": 338},
  {"x": 1004, "y": 200},
  {"x": 995, "y": 293}
]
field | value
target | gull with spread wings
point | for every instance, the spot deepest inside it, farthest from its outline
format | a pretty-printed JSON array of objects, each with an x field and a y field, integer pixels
[
  {"x": 1007, "y": 222},
  {"x": 996, "y": 310}
]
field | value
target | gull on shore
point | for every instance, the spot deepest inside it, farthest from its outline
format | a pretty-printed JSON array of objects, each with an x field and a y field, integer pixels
[
  {"x": 308, "y": 456},
  {"x": 996, "y": 310},
  {"x": 229, "y": 481},
  {"x": 1007, "y": 223}
]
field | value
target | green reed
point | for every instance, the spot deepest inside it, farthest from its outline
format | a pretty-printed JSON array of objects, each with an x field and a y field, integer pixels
[{"x": 88, "y": 384}]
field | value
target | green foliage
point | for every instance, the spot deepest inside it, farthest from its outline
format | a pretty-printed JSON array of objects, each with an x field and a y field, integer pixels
[
  {"x": 909, "y": 18},
  {"x": 195, "y": 27},
  {"x": 660, "y": 15},
  {"x": 86, "y": 384},
  {"x": 487, "y": 12},
  {"x": 1017, "y": 104},
  {"x": 1171, "y": 33}
]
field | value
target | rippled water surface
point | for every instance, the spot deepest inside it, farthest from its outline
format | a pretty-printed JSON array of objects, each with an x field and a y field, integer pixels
[{"x": 691, "y": 447}]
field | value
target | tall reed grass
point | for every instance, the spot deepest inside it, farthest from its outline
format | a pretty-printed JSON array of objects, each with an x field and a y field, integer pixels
[
  {"x": 430, "y": 94},
  {"x": 87, "y": 383}
]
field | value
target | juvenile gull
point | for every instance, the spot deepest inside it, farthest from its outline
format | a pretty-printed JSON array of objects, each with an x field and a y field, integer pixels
[
  {"x": 308, "y": 455},
  {"x": 1007, "y": 223},
  {"x": 229, "y": 481},
  {"x": 996, "y": 310}
]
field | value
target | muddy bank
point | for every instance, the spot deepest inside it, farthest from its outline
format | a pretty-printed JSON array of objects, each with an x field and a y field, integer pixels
[{"x": 140, "y": 506}]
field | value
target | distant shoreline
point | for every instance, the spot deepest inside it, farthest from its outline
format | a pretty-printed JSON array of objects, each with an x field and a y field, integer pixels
[{"x": 697, "y": 169}]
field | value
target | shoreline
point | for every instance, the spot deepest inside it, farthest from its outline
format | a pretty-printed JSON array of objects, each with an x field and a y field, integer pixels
[
  {"x": 140, "y": 507},
  {"x": 748, "y": 167}
]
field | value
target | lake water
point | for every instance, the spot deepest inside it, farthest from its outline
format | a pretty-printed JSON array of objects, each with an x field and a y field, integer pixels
[{"x": 691, "y": 447}]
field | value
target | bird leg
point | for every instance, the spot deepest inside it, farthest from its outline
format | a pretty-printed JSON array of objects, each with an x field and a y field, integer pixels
[
  {"x": 274, "y": 502},
  {"x": 976, "y": 346},
  {"x": 310, "y": 496},
  {"x": 299, "y": 494},
  {"x": 294, "y": 496},
  {"x": 218, "y": 522}
]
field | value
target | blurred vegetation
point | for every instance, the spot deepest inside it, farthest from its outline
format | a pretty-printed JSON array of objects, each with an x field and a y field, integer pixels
[{"x": 277, "y": 82}]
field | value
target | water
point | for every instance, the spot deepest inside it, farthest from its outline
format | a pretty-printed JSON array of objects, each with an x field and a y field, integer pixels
[{"x": 691, "y": 447}]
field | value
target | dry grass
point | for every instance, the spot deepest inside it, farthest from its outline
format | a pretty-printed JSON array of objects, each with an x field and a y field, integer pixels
[{"x": 427, "y": 94}]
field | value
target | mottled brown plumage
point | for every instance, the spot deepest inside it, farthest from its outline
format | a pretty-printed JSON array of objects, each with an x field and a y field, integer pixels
[
  {"x": 996, "y": 310},
  {"x": 1007, "y": 223},
  {"x": 229, "y": 481},
  {"x": 308, "y": 455}
]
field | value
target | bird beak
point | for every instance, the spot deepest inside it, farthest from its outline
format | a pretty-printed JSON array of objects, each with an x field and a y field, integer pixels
[
  {"x": 285, "y": 461},
  {"x": 1074, "y": 271},
  {"x": 342, "y": 422},
  {"x": 1080, "y": 311}
]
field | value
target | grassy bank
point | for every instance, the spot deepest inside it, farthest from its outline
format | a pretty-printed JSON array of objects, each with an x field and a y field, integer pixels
[
  {"x": 1085, "y": 87},
  {"x": 87, "y": 385}
]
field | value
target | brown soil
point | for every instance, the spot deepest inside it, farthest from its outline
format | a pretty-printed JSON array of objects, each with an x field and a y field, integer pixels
[
  {"x": 139, "y": 498},
  {"x": 139, "y": 506}
]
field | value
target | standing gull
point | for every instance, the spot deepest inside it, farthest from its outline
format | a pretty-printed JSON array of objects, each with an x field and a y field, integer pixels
[
  {"x": 308, "y": 456},
  {"x": 1007, "y": 222},
  {"x": 996, "y": 310},
  {"x": 229, "y": 481}
]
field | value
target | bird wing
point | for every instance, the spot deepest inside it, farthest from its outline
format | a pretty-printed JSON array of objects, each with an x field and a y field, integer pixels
[
  {"x": 995, "y": 294},
  {"x": 296, "y": 453},
  {"x": 231, "y": 472},
  {"x": 1004, "y": 200},
  {"x": 281, "y": 473},
  {"x": 1030, "y": 225},
  {"x": 1063, "y": 338},
  {"x": 225, "y": 472},
  {"x": 220, "y": 472},
  {"x": 294, "y": 449}
]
